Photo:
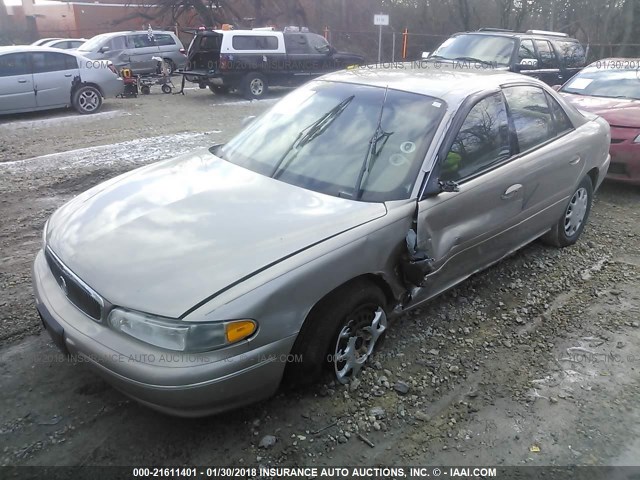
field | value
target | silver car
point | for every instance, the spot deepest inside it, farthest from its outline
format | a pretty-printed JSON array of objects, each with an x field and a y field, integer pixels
[
  {"x": 137, "y": 50},
  {"x": 198, "y": 284},
  {"x": 65, "y": 43},
  {"x": 42, "y": 78}
]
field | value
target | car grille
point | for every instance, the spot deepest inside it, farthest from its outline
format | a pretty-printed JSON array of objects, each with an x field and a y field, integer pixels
[{"x": 75, "y": 289}]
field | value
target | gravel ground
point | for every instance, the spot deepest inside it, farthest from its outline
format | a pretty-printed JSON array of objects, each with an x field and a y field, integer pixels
[{"x": 534, "y": 361}]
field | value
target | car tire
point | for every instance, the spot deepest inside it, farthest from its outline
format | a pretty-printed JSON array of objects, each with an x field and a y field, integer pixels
[
  {"x": 219, "y": 89},
  {"x": 169, "y": 65},
  {"x": 339, "y": 335},
  {"x": 254, "y": 86},
  {"x": 87, "y": 99},
  {"x": 572, "y": 222}
]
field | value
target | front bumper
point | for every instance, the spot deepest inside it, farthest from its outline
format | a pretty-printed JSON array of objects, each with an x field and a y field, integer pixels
[
  {"x": 625, "y": 156},
  {"x": 172, "y": 382}
]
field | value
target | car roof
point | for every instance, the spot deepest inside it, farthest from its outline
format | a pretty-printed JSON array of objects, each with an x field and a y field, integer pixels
[
  {"x": 34, "y": 48},
  {"x": 509, "y": 34},
  {"x": 448, "y": 83}
]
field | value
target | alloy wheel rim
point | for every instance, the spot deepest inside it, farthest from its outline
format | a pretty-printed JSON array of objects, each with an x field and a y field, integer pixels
[
  {"x": 257, "y": 86},
  {"x": 576, "y": 211},
  {"x": 89, "y": 100},
  {"x": 357, "y": 340}
]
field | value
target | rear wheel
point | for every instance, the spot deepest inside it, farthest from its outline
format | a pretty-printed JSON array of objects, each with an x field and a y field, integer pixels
[
  {"x": 339, "y": 335},
  {"x": 570, "y": 226},
  {"x": 168, "y": 66},
  {"x": 87, "y": 99},
  {"x": 254, "y": 86}
]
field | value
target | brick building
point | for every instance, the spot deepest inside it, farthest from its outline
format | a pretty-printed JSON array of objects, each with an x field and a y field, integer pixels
[{"x": 84, "y": 19}]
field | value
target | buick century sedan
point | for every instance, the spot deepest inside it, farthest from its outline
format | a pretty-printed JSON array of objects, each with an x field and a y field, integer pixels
[{"x": 200, "y": 283}]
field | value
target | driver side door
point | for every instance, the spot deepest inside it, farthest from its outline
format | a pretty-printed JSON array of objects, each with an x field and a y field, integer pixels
[{"x": 467, "y": 229}]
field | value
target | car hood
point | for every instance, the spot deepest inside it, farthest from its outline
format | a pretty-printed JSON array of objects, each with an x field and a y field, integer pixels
[
  {"x": 164, "y": 237},
  {"x": 619, "y": 112}
]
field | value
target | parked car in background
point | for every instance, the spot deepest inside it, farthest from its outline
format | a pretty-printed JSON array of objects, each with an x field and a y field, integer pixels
[
  {"x": 65, "y": 43},
  {"x": 41, "y": 78},
  {"x": 42, "y": 41},
  {"x": 552, "y": 57},
  {"x": 611, "y": 88},
  {"x": 137, "y": 49},
  {"x": 358, "y": 196},
  {"x": 252, "y": 60}
]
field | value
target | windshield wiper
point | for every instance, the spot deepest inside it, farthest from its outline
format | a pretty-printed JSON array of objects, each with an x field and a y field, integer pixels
[
  {"x": 474, "y": 59},
  {"x": 373, "y": 151},
  {"x": 311, "y": 132}
]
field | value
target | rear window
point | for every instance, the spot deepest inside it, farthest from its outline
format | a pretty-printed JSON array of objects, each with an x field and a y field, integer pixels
[
  {"x": 571, "y": 53},
  {"x": 209, "y": 43},
  {"x": 164, "y": 39},
  {"x": 254, "y": 42}
]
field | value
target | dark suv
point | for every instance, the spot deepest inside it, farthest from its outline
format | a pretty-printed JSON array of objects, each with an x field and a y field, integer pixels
[
  {"x": 552, "y": 57},
  {"x": 252, "y": 60}
]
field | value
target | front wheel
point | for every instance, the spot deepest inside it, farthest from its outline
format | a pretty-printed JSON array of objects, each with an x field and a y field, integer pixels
[
  {"x": 87, "y": 99},
  {"x": 254, "y": 86},
  {"x": 339, "y": 335},
  {"x": 570, "y": 226}
]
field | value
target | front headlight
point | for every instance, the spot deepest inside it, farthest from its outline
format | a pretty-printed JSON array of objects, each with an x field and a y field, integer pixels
[
  {"x": 177, "y": 335},
  {"x": 637, "y": 139}
]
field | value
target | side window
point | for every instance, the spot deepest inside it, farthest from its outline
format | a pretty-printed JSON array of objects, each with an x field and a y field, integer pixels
[
  {"x": 117, "y": 43},
  {"x": 141, "y": 41},
  {"x": 317, "y": 43},
  {"x": 548, "y": 58},
  {"x": 562, "y": 122},
  {"x": 71, "y": 62},
  {"x": 483, "y": 140},
  {"x": 164, "y": 39},
  {"x": 572, "y": 53},
  {"x": 526, "y": 53},
  {"x": 14, "y": 64},
  {"x": 296, "y": 43},
  {"x": 44, "y": 62},
  {"x": 254, "y": 42},
  {"x": 531, "y": 115}
]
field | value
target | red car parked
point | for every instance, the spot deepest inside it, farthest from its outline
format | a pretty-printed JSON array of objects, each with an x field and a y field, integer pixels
[{"x": 610, "y": 88}]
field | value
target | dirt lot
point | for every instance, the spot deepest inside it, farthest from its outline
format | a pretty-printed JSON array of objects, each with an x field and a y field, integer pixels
[{"x": 535, "y": 361}]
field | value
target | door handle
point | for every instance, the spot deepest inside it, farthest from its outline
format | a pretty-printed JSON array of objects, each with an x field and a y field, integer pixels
[
  {"x": 511, "y": 191},
  {"x": 67, "y": 75},
  {"x": 22, "y": 81},
  {"x": 575, "y": 160}
]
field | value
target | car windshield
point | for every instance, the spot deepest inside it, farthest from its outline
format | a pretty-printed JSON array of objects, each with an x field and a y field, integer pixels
[
  {"x": 496, "y": 50},
  {"x": 92, "y": 44},
  {"x": 352, "y": 141},
  {"x": 603, "y": 82}
]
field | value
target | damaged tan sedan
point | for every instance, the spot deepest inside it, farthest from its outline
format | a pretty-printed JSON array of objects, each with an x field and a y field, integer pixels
[{"x": 197, "y": 284}]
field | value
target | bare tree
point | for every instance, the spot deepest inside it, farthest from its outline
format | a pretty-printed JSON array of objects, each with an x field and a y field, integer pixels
[{"x": 4, "y": 24}]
